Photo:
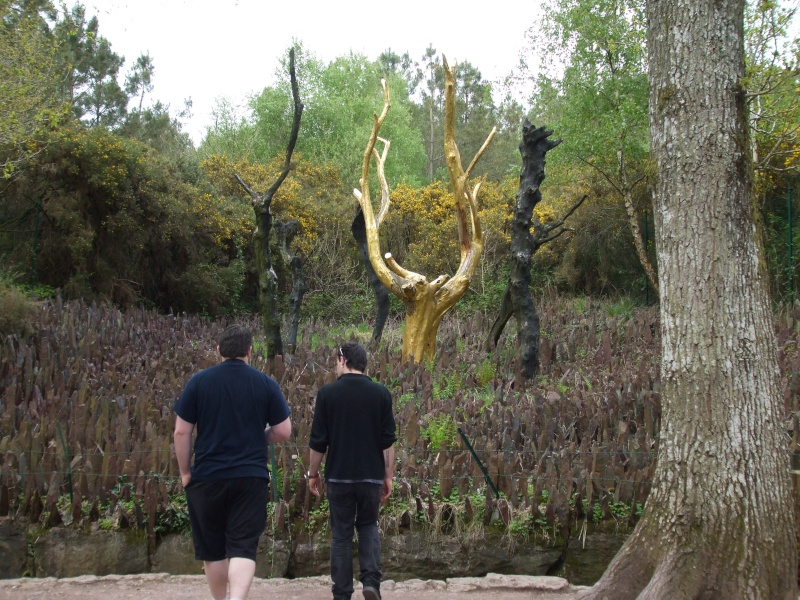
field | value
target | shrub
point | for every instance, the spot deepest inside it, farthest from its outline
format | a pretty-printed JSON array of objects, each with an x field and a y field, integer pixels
[{"x": 16, "y": 308}]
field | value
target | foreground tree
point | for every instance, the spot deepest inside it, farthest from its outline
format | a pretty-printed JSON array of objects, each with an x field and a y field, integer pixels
[
  {"x": 426, "y": 301},
  {"x": 719, "y": 519}
]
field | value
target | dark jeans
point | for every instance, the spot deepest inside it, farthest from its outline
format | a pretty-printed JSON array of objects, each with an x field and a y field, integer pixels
[{"x": 354, "y": 505}]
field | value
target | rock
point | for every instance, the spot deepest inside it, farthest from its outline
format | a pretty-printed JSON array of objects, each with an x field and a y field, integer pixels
[
  {"x": 60, "y": 552},
  {"x": 273, "y": 557},
  {"x": 174, "y": 554},
  {"x": 13, "y": 548}
]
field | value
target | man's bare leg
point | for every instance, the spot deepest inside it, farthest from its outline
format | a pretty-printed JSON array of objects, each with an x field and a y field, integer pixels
[
  {"x": 217, "y": 577},
  {"x": 240, "y": 575}
]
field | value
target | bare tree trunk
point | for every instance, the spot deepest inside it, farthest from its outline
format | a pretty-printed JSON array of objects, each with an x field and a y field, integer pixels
[
  {"x": 719, "y": 519},
  {"x": 267, "y": 278},
  {"x": 359, "y": 230},
  {"x": 517, "y": 297},
  {"x": 633, "y": 221},
  {"x": 517, "y": 301},
  {"x": 267, "y": 281},
  {"x": 431, "y": 145},
  {"x": 285, "y": 233}
]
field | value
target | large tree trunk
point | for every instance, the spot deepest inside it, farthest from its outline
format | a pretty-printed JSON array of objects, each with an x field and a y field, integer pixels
[
  {"x": 423, "y": 318},
  {"x": 719, "y": 519}
]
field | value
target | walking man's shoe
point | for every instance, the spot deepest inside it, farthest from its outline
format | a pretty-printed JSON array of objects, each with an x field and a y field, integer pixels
[{"x": 370, "y": 593}]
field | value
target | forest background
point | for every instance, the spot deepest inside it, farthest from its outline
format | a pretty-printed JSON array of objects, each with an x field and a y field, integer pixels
[{"x": 104, "y": 196}]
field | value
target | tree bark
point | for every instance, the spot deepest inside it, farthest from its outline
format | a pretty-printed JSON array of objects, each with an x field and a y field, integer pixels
[
  {"x": 267, "y": 278},
  {"x": 719, "y": 520},
  {"x": 517, "y": 299},
  {"x": 633, "y": 221},
  {"x": 285, "y": 233},
  {"x": 359, "y": 230}
]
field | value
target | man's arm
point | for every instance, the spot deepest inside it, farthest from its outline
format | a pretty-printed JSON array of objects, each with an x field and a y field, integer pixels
[
  {"x": 183, "y": 448},
  {"x": 388, "y": 473},
  {"x": 314, "y": 478},
  {"x": 280, "y": 432}
]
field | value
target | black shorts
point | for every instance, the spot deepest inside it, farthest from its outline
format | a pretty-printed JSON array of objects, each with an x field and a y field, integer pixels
[{"x": 228, "y": 517}]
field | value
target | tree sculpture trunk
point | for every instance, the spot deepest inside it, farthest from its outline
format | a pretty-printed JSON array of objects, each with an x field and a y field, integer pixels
[
  {"x": 426, "y": 301},
  {"x": 285, "y": 233},
  {"x": 517, "y": 301},
  {"x": 359, "y": 230},
  {"x": 267, "y": 278},
  {"x": 719, "y": 519}
]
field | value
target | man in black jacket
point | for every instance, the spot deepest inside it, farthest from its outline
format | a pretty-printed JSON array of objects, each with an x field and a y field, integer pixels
[{"x": 354, "y": 424}]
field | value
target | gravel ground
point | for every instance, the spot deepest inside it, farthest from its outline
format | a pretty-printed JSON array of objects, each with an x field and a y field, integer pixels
[{"x": 180, "y": 587}]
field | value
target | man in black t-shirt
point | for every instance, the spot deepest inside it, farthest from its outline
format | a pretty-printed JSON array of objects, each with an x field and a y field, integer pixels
[
  {"x": 237, "y": 411},
  {"x": 353, "y": 424}
]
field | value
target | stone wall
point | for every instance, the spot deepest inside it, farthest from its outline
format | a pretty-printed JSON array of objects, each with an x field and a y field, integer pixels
[{"x": 70, "y": 552}]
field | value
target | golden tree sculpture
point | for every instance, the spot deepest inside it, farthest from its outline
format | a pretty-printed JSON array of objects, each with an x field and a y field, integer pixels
[{"x": 426, "y": 302}]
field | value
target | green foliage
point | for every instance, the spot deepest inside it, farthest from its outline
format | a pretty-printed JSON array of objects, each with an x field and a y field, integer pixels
[
  {"x": 174, "y": 517},
  {"x": 29, "y": 105},
  {"x": 339, "y": 98},
  {"x": 16, "y": 307},
  {"x": 622, "y": 307},
  {"x": 440, "y": 429},
  {"x": 485, "y": 371},
  {"x": 406, "y": 398},
  {"x": 119, "y": 221},
  {"x": 89, "y": 70},
  {"x": 446, "y": 385}
]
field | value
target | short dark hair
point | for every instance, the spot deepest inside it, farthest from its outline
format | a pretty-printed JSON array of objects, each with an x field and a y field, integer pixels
[
  {"x": 235, "y": 341},
  {"x": 355, "y": 356}
]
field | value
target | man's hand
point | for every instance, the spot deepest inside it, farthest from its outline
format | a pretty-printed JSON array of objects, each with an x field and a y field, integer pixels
[
  {"x": 315, "y": 485},
  {"x": 387, "y": 489},
  {"x": 185, "y": 479}
]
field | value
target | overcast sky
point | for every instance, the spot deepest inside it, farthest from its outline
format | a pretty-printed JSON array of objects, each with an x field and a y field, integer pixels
[{"x": 208, "y": 49}]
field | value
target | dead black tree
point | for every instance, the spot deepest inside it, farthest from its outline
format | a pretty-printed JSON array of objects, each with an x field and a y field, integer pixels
[
  {"x": 517, "y": 301},
  {"x": 267, "y": 277},
  {"x": 285, "y": 233},
  {"x": 359, "y": 230}
]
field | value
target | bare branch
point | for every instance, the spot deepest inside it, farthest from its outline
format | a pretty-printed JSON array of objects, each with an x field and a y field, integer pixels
[
  {"x": 480, "y": 152},
  {"x": 298, "y": 111},
  {"x": 396, "y": 268},
  {"x": 246, "y": 187},
  {"x": 380, "y": 161}
]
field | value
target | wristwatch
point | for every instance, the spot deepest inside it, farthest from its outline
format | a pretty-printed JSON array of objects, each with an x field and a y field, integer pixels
[{"x": 310, "y": 476}]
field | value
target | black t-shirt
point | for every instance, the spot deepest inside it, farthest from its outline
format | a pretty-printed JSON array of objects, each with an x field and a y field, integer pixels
[
  {"x": 353, "y": 422},
  {"x": 230, "y": 405}
]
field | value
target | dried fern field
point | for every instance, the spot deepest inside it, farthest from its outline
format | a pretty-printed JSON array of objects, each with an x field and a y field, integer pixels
[{"x": 86, "y": 419}]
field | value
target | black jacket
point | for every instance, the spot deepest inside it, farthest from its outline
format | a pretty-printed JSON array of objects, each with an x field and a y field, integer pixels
[{"x": 354, "y": 424}]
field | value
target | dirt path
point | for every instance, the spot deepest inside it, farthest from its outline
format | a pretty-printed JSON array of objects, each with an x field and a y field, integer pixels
[{"x": 184, "y": 587}]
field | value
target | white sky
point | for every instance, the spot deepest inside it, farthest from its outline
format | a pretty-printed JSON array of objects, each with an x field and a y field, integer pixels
[{"x": 209, "y": 49}]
